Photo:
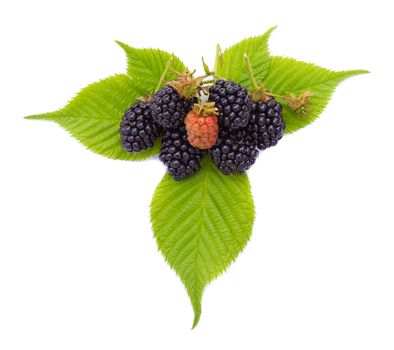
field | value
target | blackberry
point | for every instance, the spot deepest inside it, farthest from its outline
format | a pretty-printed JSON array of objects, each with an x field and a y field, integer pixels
[
  {"x": 178, "y": 155},
  {"x": 169, "y": 108},
  {"x": 234, "y": 155},
  {"x": 233, "y": 102},
  {"x": 266, "y": 123},
  {"x": 137, "y": 129}
]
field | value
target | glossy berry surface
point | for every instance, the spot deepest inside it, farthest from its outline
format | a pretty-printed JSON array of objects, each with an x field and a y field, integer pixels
[
  {"x": 233, "y": 102},
  {"x": 169, "y": 108},
  {"x": 202, "y": 131},
  {"x": 181, "y": 158},
  {"x": 234, "y": 155},
  {"x": 137, "y": 129},
  {"x": 266, "y": 124}
]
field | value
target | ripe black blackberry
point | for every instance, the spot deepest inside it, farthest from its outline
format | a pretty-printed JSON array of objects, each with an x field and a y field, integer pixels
[
  {"x": 137, "y": 129},
  {"x": 169, "y": 108},
  {"x": 234, "y": 155},
  {"x": 233, "y": 102},
  {"x": 178, "y": 155},
  {"x": 266, "y": 124}
]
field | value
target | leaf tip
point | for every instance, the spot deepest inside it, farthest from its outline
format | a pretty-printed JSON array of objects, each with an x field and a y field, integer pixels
[
  {"x": 120, "y": 43},
  {"x": 124, "y": 46},
  {"x": 197, "y": 315},
  {"x": 362, "y": 71},
  {"x": 358, "y": 71},
  {"x": 270, "y": 30},
  {"x": 34, "y": 117},
  {"x": 353, "y": 72},
  {"x": 196, "y": 304}
]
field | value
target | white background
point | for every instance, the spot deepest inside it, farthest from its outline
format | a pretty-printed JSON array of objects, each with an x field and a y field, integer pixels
[{"x": 79, "y": 268}]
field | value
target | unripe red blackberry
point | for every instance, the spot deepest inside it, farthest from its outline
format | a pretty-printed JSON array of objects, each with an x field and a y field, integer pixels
[
  {"x": 233, "y": 102},
  {"x": 234, "y": 155},
  {"x": 137, "y": 129},
  {"x": 202, "y": 125},
  {"x": 169, "y": 108},
  {"x": 266, "y": 125},
  {"x": 178, "y": 155}
]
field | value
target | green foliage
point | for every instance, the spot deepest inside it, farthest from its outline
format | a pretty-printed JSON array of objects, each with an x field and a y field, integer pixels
[
  {"x": 146, "y": 66},
  {"x": 283, "y": 76},
  {"x": 287, "y": 75},
  {"x": 201, "y": 224},
  {"x": 93, "y": 117},
  {"x": 231, "y": 64}
]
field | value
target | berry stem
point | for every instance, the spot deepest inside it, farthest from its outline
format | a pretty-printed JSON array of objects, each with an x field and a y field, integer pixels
[
  {"x": 174, "y": 71},
  {"x": 202, "y": 77},
  {"x": 206, "y": 68},
  {"x": 163, "y": 75},
  {"x": 249, "y": 70},
  {"x": 218, "y": 59},
  {"x": 274, "y": 95}
]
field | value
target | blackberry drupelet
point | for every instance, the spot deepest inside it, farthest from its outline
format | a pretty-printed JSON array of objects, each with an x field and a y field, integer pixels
[
  {"x": 137, "y": 129},
  {"x": 178, "y": 155},
  {"x": 233, "y": 102},
  {"x": 169, "y": 108},
  {"x": 266, "y": 124},
  {"x": 234, "y": 155}
]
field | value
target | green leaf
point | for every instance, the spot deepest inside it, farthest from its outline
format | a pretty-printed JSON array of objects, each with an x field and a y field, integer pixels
[
  {"x": 93, "y": 117},
  {"x": 201, "y": 224},
  {"x": 146, "y": 66},
  {"x": 287, "y": 75},
  {"x": 232, "y": 65}
]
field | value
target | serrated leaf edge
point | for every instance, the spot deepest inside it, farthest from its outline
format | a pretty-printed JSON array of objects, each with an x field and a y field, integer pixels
[{"x": 196, "y": 303}]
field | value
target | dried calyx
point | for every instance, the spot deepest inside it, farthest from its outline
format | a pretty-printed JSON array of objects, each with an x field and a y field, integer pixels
[
  {"x": 187, "y": 86},
  {"x": 205, "y": 108}
]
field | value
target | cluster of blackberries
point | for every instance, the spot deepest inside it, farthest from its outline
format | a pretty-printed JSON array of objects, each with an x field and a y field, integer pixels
[
  {"x": 245, "y": 127},
  {"x": 144, "y": 121}
]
